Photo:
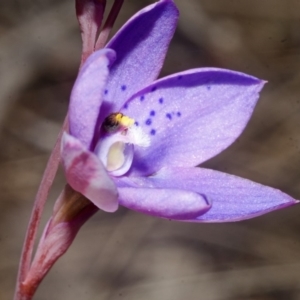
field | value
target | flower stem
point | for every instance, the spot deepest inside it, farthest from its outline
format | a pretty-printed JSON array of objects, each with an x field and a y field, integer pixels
[
  {"x": 38, "y": 207},
  {"x": 89, "y": 14},
  {"x": 22, "y": 293},
  {"x": 104, "y": 34},
  {"x": 72, "y": 212}
]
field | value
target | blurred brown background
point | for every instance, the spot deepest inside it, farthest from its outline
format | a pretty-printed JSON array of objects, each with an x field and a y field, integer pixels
[{"x": 131, "y": 256}]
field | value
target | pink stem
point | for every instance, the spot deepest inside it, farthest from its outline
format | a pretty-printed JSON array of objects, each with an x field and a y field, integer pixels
[
  {"x": 51, "y": 168},
  {"x": 104, "y": 34},
  {"x": 38, "y": 207},
  {"x": 89, "y": 14},
  {"x": 58, "y": 235}
]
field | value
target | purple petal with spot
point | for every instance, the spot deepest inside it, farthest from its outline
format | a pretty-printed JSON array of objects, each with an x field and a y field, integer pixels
[
  {"x": 191, "y": 116},
  {"x": 165, "y": 203},
  {"x": 141, "y": 45},
  {"x": 87, "y": 95},
  {"x": 233, "y": 198},
  {"x": 86, "y": 174}
]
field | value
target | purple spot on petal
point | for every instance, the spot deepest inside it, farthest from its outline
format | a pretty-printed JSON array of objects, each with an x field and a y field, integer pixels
[
  {"x": 178, "y": 114},
  {"x": 153, "y": 131},
  {"x": 105, "y": 92},
  {"x": 142, "y": 98},
  {"x": 136, "y": 123},
  {"x": 169, "y": 116},
  {"x": 126, "y": 106},
  {"x": 208, "y": 87},
  {"x": 153, "y": 89},
  {"x": 152, "y": 113},
  {"x": 148, "y": 122},
  {"x": 179, "y": 77},
  {"x": 206, "y": 199},
  {"x": 123, "y": 87},
  {"x": 161, "y": 100}
]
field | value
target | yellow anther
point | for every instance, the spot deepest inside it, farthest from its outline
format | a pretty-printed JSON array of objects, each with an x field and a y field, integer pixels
[
  {"x": 117, "y": 116},
  {"x": 126, "y": 121},
  {"x": 117, "y": 121}
]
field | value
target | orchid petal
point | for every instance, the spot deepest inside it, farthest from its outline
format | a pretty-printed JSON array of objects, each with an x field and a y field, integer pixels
[
  {"x": 191, "y": 116},
  {"x": 165, "y": 203},
  {"x": 87, "y": 96},
  {"x": 141, "y": 45},
  {"x": 86, "y": 174},
  {"x": 233, "y": 198}
]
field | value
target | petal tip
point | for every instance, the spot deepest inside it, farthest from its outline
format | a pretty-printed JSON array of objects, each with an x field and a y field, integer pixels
[
  {"x": 108, "y": 53},
  {"x": 86, "y": 174},
  {"x": 111, "y": 207},
  {"x": 165, "y": 203}
]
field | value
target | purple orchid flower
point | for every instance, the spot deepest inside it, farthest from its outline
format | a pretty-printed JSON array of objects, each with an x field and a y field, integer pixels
[{"x": 136, "y": 141}]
